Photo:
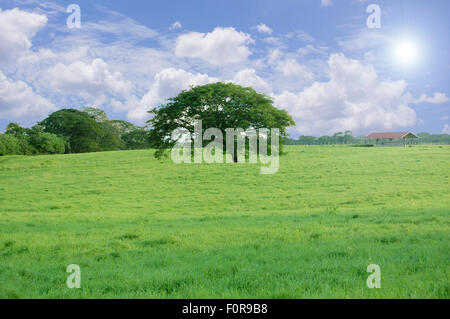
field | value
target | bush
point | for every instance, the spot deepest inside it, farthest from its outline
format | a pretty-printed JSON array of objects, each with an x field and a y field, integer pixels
[
  {"x": 52, "y": 144},
  {"x": 9, "y": 145},
  {"x": 45, "y": 143},
  {"x": 18, "y": 132}
]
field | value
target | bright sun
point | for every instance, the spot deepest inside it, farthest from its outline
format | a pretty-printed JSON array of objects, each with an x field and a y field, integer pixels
[{"x": 406, "y": 52}]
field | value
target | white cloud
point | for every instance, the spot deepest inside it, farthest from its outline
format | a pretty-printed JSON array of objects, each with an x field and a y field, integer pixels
[
  {"x": 286, "y": 72},
  {"x": 437, "y": 98},
  {"x": 292, "y": 69},
  {"x": 446, "y": 129},
  {"x": 175, "y": 25},
  {"x": 352, "y": 99},
  {"x": 105, "y": 64},
  {"x": 221, "y": 46},
  {"x": 167, "y": 83},
  {"x": 18, "y": 101},
  {"x": 326, "y": 3},
  {"x": 273, "y": 56},
  {"x": 87, "y": 84},
  {"x": 86, "y": 79},
  {"x": 248, "y": 77},
  {"x": 262, "y": 28},
  {"x": 17, "y": 27},
  {"x": 171, "y": 81}
]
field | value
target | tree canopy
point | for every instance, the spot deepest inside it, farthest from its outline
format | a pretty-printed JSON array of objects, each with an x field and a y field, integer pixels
[
  {"x": 97, "y": 114},
  {"x": 30, "y": 141},
  {"x": 219, "y": 105},
  {"x": 81, "y": 130},
  {"x": 73, "y": 131}
]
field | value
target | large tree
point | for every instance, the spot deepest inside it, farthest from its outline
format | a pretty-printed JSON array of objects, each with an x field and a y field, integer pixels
[
  {"x": 132, "y": 136},
  {"x": 81, "y": 130},
  {"x": 219, "y": 105},
  {"x": 110, "y": 139}
]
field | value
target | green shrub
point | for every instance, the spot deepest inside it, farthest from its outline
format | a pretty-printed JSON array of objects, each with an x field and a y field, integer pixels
[
  {"x": 45, "y": 143},
  {"x": 15, "y": 130},
  {"x": 9, "y": 145}
]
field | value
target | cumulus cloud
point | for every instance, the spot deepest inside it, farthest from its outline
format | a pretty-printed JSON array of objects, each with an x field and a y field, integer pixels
[
  {"x": 17, "y": 27},
  {"x": 262, "y": 28},
  {"x": 86, "y": 79},
  {"x": 167, "y": 83},
  {"x": 292, "y": 69},
  {"x": 221, "y": 46},
  {"x": 171, "y": 81},
  {"x": 18, "y": 101},
  {"x": 248, "y": 77},
  {"x": 352, "y": 99},
  {"x": 105, "y": 64},
  {"x": 92, "y": 83},
  {"x": 437, "y": 98}
]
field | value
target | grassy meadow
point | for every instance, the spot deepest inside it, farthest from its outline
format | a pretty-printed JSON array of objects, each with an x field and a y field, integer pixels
[{"x": 143, "y": 228}]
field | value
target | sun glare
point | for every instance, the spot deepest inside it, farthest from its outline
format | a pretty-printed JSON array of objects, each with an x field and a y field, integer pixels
[{"x": 406, "y": 52}]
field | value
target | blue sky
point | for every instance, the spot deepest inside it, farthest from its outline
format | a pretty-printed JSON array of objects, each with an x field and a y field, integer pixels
[{"x": 316, "y": 58}]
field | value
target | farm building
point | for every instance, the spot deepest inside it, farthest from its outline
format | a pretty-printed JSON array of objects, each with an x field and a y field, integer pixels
[{"x": 392, "y": 138}]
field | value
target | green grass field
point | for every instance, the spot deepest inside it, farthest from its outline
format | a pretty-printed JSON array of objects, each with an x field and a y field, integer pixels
[{"x": 141, "y": 228}]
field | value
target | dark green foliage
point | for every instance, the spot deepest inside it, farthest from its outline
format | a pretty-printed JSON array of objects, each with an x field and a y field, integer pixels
[
  {"x": 45, "y": 143},
  {"x": 136, "y": 139},
  {"x": 110, "y": 139},
  {"x": 219, "y": 105},
  {"x": 73, "y": 131},
  {"x": 82, "y": 131},
  {"x": 112, "y": 130},
  {"x": 132, "y": 137}
]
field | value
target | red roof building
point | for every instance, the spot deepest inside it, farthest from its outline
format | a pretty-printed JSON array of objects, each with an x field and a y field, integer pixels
[
  {"x": 392, "y": 138},
  {"x": 392, "y": 135}
]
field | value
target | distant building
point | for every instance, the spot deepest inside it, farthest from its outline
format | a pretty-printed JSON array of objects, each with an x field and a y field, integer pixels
[{"x": 391, "y": 138}]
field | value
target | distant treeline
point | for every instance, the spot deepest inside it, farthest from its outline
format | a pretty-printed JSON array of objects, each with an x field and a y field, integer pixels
[
  {"x": 90, "y": 130},
  {"x": 348, "y": 138},
  {"x": 73, "y": 131}
]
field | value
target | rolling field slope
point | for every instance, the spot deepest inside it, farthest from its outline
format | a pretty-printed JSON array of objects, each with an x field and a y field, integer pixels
[{"x": 143, "y": 228}]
